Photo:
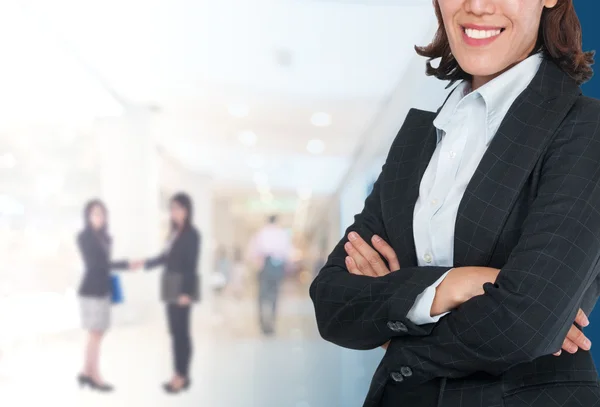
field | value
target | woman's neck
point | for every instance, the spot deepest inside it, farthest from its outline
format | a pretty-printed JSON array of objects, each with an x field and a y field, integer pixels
[{"x": 478, "y": 81}]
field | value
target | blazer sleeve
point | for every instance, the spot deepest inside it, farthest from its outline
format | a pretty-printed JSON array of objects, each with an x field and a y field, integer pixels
[
  {"x": 94, "y": 257},
  {"x": 119, "y": 265},
  {"x": 361, "y": 312},
  {"x": 156, "y": 261},
  {"x": 189, "y": 263},
  {"x": 527, "y": 313}
]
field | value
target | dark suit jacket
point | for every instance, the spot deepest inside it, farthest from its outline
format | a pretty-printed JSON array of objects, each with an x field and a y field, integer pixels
[
  {"x": 182, "y": 258},
  {"x": 96, "y": 258},
  {"x": 532, "y": 209}
]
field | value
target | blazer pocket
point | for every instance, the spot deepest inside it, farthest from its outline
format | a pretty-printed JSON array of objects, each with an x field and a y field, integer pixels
[
  {"x": 171, "y": 286},
  {"x": 549, "y": 370},
  {"x": 563, "y": 394}
]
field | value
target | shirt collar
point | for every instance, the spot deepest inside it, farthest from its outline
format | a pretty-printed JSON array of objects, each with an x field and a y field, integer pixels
[
  {"x": 442, "y": 121},
  {"x": 498, "y": 95}
]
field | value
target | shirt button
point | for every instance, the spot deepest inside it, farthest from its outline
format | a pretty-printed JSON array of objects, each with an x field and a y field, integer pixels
[
  {"x": 434, "y": 202},
  {"x": 406, "y": 371},
  {"x": 397, "y": 377},
  {"x": 427, "y": 258},
  {"x": 451, "y": 154}
]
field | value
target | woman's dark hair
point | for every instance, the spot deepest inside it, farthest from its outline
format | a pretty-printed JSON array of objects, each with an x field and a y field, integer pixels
[
  {"x": 89, "y": 207},
  {"x": 182, "y": 199},
  {"x": 559, "y": 38}
]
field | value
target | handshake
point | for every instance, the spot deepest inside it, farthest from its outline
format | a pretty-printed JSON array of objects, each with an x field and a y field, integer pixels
[{"x": 136, "y": 264}]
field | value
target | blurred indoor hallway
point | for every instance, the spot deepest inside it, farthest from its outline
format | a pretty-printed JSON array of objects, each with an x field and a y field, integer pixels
[{"x": 233, "y": 364}]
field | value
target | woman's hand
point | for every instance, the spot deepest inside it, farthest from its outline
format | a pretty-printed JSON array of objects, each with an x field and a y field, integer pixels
[
  {"x": 575, "y": 339},
  {"x": 463, "y": 283},
  {"x": 364, "y": 260},
  {"x": 460, "y": 285},
  {"x": 184, "y": 300},
  {"x": 136, "y": 264}
]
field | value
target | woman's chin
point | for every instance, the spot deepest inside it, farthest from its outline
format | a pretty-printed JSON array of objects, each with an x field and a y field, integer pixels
[
  {"x": 483, "y": 69},
  {"x": 481, "y": 66}
]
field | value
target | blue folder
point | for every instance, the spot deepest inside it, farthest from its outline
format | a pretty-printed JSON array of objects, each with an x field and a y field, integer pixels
[{"x": 116, "y": 289}]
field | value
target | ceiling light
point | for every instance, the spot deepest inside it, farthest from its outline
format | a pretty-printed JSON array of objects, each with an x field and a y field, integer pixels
[
  {"x": 321, "y": 119},
  {"x": 238, "y": 110},
  {"x": 261, "y": 179},
  {"x": 315, "y": 146},
  {"x": 255, "y": 162},
  {"x": 283, "y": 57},
  {"x": 247, "y": 137},
  {"x": 304, "y": 193},
  {"x": 7, "y": 161},
  {"x": 10, "y": 206}
]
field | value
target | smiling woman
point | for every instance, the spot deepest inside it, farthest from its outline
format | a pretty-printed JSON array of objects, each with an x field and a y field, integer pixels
[
  {"x": 485, "y": 38},
  {"x": 476, "y": 257}
]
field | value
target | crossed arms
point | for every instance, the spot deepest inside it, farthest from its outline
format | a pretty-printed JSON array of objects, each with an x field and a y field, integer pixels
[{"x": 523, "y": 314}]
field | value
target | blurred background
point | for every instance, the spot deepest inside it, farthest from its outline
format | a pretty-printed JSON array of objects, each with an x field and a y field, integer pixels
[{"x": 254, "y": 108}]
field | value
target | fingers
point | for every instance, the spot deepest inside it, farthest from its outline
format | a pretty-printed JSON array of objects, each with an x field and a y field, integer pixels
[
  {"x": 365, "y": 256},
  {"x": 575, "y": 340},
  {"x": 581, "y": 319},
  {"x": 569, "y": 346},
  {"x": 386, "y": 250},
  {"x": 352, "y": 266},
  {"x": 578, "y": 339},
  {"x": 356, "y": 263}
]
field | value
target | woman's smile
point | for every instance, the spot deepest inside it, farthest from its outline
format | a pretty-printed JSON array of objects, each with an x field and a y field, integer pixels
[{"x": 478, "y": 36}]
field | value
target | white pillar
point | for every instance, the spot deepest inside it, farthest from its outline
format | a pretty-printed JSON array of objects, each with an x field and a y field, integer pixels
[
  {"x": 224, "y": 225},
  {"x": 352, "y": 200},
  {"x": 130, "y": 189},
  {"x": 200, "y": 189}
]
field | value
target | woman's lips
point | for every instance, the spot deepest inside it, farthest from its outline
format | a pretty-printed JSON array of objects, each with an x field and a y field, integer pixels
[{"x": 479, "y": 36}]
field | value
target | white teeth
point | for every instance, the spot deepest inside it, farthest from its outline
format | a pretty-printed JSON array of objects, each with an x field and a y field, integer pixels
[{"x": 480, "y": 34}]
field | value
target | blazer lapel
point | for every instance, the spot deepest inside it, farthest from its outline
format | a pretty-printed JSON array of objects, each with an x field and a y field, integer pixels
[
  {"x": 409, "y": 157},
  {"x": 528, "y": 127}
]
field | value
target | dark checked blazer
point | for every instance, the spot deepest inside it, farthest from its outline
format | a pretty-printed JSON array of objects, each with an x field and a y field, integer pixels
[{"x": 532, "y": 209}]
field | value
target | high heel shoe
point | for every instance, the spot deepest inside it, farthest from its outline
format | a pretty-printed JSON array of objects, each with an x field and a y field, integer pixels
[
  {"x": 173, "y": 390},
  {"x": 84, "y": 380}
]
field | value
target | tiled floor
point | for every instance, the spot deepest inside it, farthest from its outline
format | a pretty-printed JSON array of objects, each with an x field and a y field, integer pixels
[{"x": 233, "y": 365}]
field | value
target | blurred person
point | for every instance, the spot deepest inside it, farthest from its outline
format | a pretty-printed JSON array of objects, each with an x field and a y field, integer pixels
[
  {"x": 238, "y": 274},
  {"x": 95, "y": 243},
  {"x": 475, "y": 259},
  {"x": 218, "y": 283},
  {"x": 180, "y": 286},
  {"x": 223, "y": 265},
  {"x": 270, "y": 250}
]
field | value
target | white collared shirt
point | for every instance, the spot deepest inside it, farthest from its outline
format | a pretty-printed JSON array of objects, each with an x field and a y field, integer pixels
[{"x": 466, "y": 125}]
